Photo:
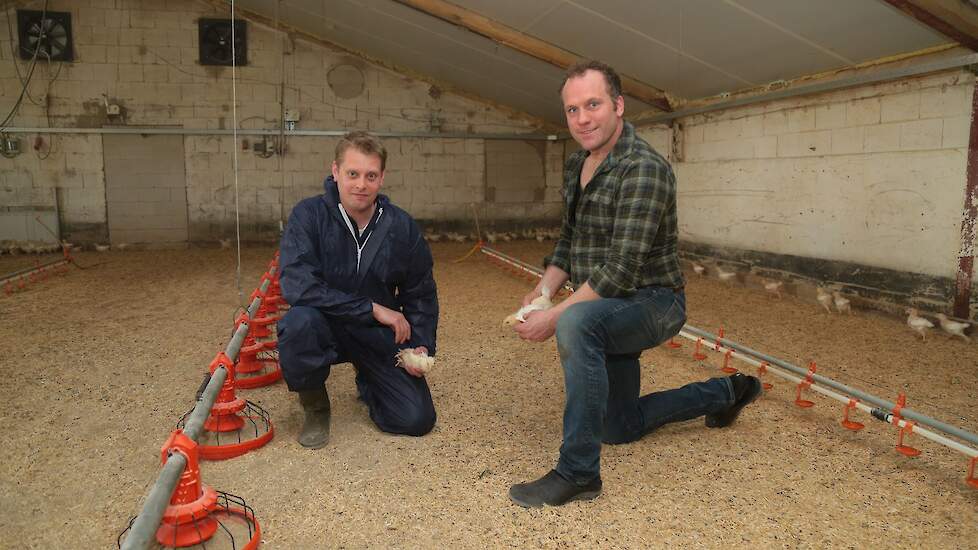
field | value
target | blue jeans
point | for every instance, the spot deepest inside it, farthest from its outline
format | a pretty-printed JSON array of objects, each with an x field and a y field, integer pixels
[{"x": 600, "y": 343}]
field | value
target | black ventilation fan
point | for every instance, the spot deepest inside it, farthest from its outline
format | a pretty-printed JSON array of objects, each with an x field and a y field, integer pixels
[
  {"x": 214, "y": 36},
  {"x": 47, "y": 33}
]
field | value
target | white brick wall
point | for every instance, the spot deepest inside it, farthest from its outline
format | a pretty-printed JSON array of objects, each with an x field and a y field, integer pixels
[
  {"x": 143, "y": 56},
  {"x": 872, "y": 175}
]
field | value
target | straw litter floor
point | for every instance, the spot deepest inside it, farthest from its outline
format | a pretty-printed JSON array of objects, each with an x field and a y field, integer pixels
[{"x": 98, "y": 365}]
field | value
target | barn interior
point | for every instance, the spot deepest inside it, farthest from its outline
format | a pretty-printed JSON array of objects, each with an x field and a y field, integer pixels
[{"x": 153, "y": 151}]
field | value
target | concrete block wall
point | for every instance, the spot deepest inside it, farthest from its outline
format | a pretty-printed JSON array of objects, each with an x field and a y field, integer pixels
[
  {"x": 872, "y": 177},
  {"x": 142, "y": 56}
]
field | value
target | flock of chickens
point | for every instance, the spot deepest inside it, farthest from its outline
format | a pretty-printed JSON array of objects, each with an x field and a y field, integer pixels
[
  {"x": 538, "y": 234},
  {"x": 829, "y": 299}
]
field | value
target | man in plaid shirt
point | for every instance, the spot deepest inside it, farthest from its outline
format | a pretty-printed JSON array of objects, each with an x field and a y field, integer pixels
[{"x": 618, "y": 247}]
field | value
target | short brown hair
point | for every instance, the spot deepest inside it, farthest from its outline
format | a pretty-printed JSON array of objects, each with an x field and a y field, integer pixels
[
  {"x": 611, "y": 78},
  {"x": 366, "y": 143}
]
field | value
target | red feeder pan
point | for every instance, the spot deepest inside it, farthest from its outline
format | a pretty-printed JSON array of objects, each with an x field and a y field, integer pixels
[
  {"x": 235, "y": 426},
  {"x": 257, "y": 366},
  {"x": 197, "y": 512}
]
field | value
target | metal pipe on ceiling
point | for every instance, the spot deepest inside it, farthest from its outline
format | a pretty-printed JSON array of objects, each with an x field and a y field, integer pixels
[{"x": 272, "y": 132}]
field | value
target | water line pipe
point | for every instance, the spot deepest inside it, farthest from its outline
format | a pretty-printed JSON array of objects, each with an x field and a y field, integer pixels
[
  {"x": 937, "y": 438},
  {"x": 862, "y": 396}
]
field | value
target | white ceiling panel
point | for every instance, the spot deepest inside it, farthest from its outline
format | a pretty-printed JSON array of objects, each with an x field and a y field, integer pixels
[{"x": 690, "y": 48}]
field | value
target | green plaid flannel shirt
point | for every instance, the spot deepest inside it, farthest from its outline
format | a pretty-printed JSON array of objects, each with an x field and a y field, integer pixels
[{"x": 620, "y": 233}]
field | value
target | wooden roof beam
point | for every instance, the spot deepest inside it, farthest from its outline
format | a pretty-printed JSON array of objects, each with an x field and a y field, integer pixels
[
  {"x": 955, "y": 19},
  {"x": 528, "y": 45}
]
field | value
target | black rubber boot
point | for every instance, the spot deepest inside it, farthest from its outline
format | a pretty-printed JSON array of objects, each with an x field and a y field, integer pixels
[
  {"x": 746, "y": 389},
  {"x": 315, "y": 427},
  {"x": 552, "y": 489}
]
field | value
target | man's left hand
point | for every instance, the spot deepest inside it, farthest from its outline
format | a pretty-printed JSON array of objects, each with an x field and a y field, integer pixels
[{"x": 539, "y": 325}]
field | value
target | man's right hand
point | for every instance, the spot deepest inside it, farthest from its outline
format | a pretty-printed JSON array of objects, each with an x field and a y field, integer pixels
[{"x": 395, "y": 320}]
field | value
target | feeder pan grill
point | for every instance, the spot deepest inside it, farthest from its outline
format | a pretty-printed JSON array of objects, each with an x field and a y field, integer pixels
[
  {"x": 229, "y": 435},
  {"x": 230, "y": 522},
  {"x": 196, "y": 512},
  {"x": 257, "y": 366}
]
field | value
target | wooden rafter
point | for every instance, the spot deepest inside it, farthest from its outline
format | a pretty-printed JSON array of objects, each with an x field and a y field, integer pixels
[
  {"x": 529, "y": 45},
  {"x": 955, "y": 19}
]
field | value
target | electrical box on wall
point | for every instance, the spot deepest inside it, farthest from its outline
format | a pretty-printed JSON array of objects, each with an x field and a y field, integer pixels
[
  {"x": 9, "y": 146},
  {"x": 291, "y": 118}
]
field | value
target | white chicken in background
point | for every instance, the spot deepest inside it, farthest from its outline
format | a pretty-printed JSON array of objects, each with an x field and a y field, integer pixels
[
  {"x": 726, "y": 276},
  {"x": 102, "y": 247},
  {"x": 452, "y": 236},
  {"x": 699, "y": 269},
  {"x": 538, "y": 304},
  {"x": 842, "y": 303},
  {"x": 824, "y": 298},
  {"x": 954, "y": 328},
  {"x": 492, "y": 237},
  {"x": 121, "y": 246},
  {"x": 774, "y": 287},
  {"x": 225, "y": 243},
  {"x": 918, "y": 324}
]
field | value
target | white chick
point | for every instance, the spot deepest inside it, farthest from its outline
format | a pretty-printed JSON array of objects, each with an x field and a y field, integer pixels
[
  {"x": 122, "y": 246},
  {"x": 491, "y": 236},
  {"x": 954, "y": 328},
  {"x": 432, "y": 236},
  {"x": 917, "y": 323},
  {"x": 726, "y": 276},
  {"x": 102, "y": 247},
  {"x": 774, "y": 287},
  {"x": 841, "y": 303},
  {"x": 699, "y": 269},
  {"x": 538, "y": 304},
  {"x": 225, "y": 243},
  {"x": 418, "y": 361},
  {"x": 824, "y": 298}
]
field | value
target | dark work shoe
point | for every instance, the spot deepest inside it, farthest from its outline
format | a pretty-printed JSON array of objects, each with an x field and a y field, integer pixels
[
  {"x": 554, "y": 490},
  {"x": 746, "y": 389},
  {"x": 315, "y": 426}
]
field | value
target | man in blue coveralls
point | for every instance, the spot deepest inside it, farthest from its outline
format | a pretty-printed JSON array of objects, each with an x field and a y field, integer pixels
[{"x": 357, "y": 273}]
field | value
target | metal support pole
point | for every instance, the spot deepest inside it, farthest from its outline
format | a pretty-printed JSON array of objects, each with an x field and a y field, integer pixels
[{"x": 969, "y": 220}]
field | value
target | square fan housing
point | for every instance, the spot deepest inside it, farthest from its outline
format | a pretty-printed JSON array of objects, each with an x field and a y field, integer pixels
[
  {"x": 47, "y": 33},
  {"x": 214, "y": 41}
]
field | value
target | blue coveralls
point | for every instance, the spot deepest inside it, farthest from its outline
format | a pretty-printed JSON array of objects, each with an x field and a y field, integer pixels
[{"x": 331, "y": 281}]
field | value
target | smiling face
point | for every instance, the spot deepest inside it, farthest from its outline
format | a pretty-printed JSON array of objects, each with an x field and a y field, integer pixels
[
  {"x": 593, "y": 116},
  {"x": 359, "y": 177}
]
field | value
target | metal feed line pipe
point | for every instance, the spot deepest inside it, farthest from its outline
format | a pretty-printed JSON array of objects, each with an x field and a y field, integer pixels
[
  {"x": 143, "y": 529},
  {"x": 860, "y": 395},
  {"x": 28, "y": 270},
  {"x": 884, "y": 416}
]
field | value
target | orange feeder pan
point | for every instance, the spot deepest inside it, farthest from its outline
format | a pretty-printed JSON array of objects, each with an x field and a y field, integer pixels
[
  {"x": 235, "y": 425},
  {"x": 197, "y": 514},
  {"x": 257, "y": 366}
]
